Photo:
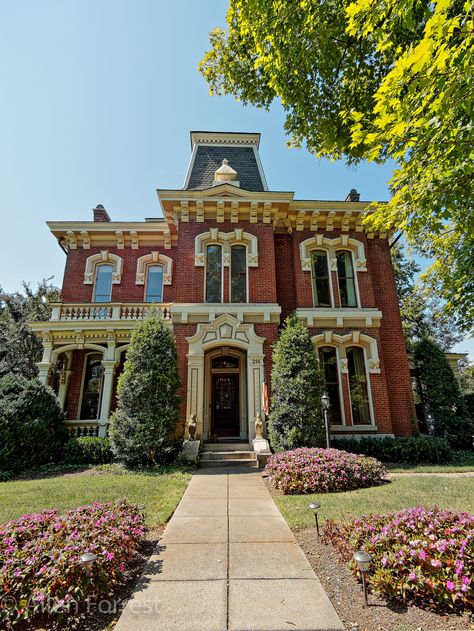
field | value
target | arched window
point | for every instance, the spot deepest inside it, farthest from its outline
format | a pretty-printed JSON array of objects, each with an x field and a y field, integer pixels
[
  {"x": 358, "y": 386},
  {"x": 103, "y": 283},
  {"x": 214, "y": 273},
  {"x": 238, "y": 274},
  {"x": 346, "y": 280},
  {"x": 154, "y": 283},
  {"x": 321, "y": 282},
  {"x": 329, "y": 368},
  {"x": 91, "y": 391}
]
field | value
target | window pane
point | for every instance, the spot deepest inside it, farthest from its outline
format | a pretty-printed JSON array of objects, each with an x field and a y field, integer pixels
[
  {"x": 103, "y": 283},
  {"x": 358, "y": 386},
  {"x": 91, "y": 389},
  {"x": 345, "y": 274},
  {"x": 214, "y": 273},
  {"x": 238, "y": 267},
  {"x": 321, "y": 279},
  {"x": 225, "y": 362},
  {"x": 328, "y": 363},
  {"x": 154, "y": 284}
]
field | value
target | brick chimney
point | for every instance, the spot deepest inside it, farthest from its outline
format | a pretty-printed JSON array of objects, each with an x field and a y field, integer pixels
[
  {"x": 353, "y": 196},
  {"x": 100, "y": 214}
]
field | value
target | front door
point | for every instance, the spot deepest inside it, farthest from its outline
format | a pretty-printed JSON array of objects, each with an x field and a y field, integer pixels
[{"x": 225, "y": 405}]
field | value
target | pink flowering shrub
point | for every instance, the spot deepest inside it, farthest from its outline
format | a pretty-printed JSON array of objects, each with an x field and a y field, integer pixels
[
  {"x": 313, "y": 470},
  {"x": 424, "y": 555},
  {"x": 39, "y": 557}
]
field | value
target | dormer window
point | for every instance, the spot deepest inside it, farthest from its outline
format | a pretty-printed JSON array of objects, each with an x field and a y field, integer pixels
[
  {"x": 103, "y": 283},
  {"x": 214, "y": 273},
  {"x": 154, "y": 283}
]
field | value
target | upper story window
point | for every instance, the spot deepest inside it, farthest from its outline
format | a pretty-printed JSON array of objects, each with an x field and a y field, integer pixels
[
  {"x": 154, "y": 283},
  {"x": 346, "y": 279},
  {"x": 358, "y": 386},
  {"x": 103, "y": 283},
  {"x": 321, "y": 281},
  {"x": 238, "y": 274},
  {"x": 214, "y": 273}
]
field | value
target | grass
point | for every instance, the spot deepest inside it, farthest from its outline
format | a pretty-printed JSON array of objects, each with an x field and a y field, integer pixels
[
  {"x": 403, "y": 492},
  {"x": 159, "y": 493},
  {"x": 431, "y": 468}
]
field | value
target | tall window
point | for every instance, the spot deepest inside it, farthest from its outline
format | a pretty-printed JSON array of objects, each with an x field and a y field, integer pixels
[
  {"x": 328, "y": 363},
  {"x": 321, "y": 286},
  {"x": 90, "y": 406},
  {"x": 214, "y": 273},
  {"x": 154, "y": 283},
  {"x": 358, "y": 386},
  {"x": 103, "y": 283},
  {"x": 238, "y": 274},
  {"x": 345, "y": 274}
]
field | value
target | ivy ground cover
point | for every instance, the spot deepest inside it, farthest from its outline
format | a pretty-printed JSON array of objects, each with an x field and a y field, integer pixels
[
  {"x": 423, "y": 555},
  {"x": 313, "y": 470},
  {"x": 40, "y": 555}
]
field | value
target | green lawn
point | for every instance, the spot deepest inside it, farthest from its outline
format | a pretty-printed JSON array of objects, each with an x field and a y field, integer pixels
[
  {"x": 432, "y": 468},
  {"x": 404, "y": 492},
  {"x": 159, "y": 493}
]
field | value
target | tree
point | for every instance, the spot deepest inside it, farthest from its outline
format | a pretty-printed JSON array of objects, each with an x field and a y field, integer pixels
[
  {"x": 297, "y": 386},
  {"x": 147, "y": 410},
  {"x": 20, "y": 348},
  {"x": 32, "y": 431},
  {"x": 441, "y": 394},
  {"x": 422, "y": 316},
  {"x": 372, "y": 79}
]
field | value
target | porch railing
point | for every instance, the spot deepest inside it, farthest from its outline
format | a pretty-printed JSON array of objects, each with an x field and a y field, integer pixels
[
  {"x": 83, "y": 312},
  {"x": 82, "y": 428}
]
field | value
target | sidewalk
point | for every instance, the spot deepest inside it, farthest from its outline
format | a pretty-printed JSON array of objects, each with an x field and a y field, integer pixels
[{"x": 228, "y": 561}]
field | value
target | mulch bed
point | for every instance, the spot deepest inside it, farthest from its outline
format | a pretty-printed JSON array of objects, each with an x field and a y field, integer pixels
[{"x": 346, "y": 596}]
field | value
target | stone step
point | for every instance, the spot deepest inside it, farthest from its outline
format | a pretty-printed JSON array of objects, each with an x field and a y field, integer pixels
[
  {"x": 225, "y": 447},
  {"x": 227, "y": 455},
  {"x": 229, "y": 463}
]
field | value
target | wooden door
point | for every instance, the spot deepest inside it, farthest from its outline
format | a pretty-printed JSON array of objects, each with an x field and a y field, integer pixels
[{"x": 225, "y": 405}]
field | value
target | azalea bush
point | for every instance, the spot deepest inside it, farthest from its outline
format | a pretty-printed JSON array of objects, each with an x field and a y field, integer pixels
[
  {"x": 424, "y": 555},
  {"x": 314, "y": 470},
  {"x": 40, "y": 553}
]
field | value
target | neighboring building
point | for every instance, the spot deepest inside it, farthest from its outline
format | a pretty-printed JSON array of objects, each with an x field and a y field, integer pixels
[{"x": 229, "y": 261}]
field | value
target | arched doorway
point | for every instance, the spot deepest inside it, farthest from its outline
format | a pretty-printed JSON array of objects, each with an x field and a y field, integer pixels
[{"x": 225, "y": 393}]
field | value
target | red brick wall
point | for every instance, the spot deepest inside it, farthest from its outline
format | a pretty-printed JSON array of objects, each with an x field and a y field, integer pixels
[
  {"x": 392, "y": 348},
  {"x": 127, "y": 290},
  {"x": 285, "y": 278}
]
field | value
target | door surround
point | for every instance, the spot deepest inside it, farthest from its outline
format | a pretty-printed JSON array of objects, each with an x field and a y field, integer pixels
[{"x": 232, "y": 333}]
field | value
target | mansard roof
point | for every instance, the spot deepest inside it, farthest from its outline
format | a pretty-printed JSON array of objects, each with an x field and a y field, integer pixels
[{"x": 241, "y": 152}]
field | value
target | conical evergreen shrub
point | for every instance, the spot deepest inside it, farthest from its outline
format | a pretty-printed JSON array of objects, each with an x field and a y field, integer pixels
[
  {"x": 148, "y": 402},
  {"x": 297, "y": 386}
]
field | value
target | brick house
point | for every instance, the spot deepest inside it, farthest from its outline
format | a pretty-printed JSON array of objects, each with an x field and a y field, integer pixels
[{"x": 227, "y": 263}]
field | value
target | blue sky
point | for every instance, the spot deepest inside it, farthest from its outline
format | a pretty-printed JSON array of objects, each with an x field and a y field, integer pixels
[{"x": 98, "y": 100}]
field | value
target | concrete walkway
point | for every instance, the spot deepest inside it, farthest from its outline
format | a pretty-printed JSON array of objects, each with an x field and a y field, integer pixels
[{"x": 228, "y": 561}]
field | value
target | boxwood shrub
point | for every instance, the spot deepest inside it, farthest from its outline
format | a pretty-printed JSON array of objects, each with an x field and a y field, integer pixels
[
  {"x": 409, "y": 450},
  {"x": 87, "y": 450}
]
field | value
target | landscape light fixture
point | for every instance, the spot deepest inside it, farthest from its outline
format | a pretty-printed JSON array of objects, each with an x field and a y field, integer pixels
[
  {"x": 325, "y": 403},
  {"x": 315, "y": 506},
  {"x": 363, "y": 560},
  {"x": 87, "y": 561}
]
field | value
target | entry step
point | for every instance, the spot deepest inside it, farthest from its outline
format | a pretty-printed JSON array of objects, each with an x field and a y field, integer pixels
[
  {"x": 227, "y": 455},
  {"x": 226, "y": 462},
  {"x": 225, "y": 447}
]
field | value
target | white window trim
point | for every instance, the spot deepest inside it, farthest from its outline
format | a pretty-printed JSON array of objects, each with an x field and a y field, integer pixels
[
  {"x": 369, "y": 389},
  {"x": 344, "y": 242},
  {"x": 157, "y": 259},
  {"x": 83, "y": 381},
  {"x": 93, "y": 261},
  {"x": 226, "y": 239}
]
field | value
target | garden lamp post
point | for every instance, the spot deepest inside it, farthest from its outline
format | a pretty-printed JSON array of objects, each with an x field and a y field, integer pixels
[
  {"x": 325, "y": 402},
  {"x": 363, "y": 560},
  {"x": 87, "y": 561},
  {"x": 315, "y": 506},
  {"x": 430, "y": 423}
]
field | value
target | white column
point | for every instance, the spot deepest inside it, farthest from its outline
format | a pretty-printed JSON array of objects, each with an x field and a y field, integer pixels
[
  {"x": 255, "y": 374},
  {"x": 107, "y": 388},
  {"x": 44, "y": 366},
  {"x": 195, "y": 392},
  {"x": 63, "y": 387}
]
